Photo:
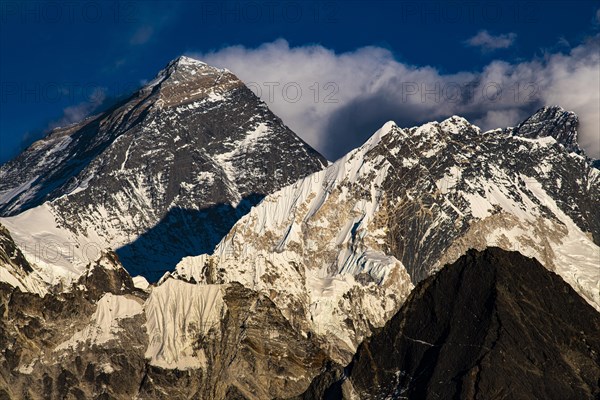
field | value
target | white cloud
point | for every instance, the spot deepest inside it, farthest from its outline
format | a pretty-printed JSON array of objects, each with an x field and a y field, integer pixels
[
  {"x": 142, "y": 35},
  {"x": 373, "y": 88},
  {"x": 79, "y": 111},
  {"x": 487, "y": 42}
]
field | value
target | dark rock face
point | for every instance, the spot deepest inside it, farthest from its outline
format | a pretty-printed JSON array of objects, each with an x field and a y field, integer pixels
[
  {"x": 185, "y": 156},
  {"x": 32, "y": 328},
  {"x": 106, "y": 275},
  {"x": 10, "y": 254},
  {"x": 555, "y": 122},
  {"x": 495, "y": 324},
  {"x": 328, "y": 385},
  {"x": 14, "y": 267}
]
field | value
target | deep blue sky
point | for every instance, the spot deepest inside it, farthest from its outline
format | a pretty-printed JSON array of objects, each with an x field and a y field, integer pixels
[{"x": 53, "y": 55}]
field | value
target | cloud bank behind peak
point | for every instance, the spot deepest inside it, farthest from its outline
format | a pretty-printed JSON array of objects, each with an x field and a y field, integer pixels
[{"x": 335, "y": 101}]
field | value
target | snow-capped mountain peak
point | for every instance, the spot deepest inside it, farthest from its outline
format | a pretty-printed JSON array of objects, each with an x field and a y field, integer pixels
[
  {"x": 374, "y": 140},
  {"x": 301, "y": 278},
  {"x": 552, "y": 121},
  {"x": 458, "y": 125},
  {"x": 187, "y": 81},
  {"x": 191, "y": 66},
  {"x": 186, "y": 63},
  {"x": 185, "y": 60},
  {"x": 191, "y": 151},
  {"x": 338, "y": 250}
]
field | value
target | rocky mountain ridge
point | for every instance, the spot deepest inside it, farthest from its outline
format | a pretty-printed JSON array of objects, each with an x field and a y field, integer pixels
[
  {"x": 340, "y": 250},
  {"x": 179, "y": 162},
  {"x": 279, "y": 266}
]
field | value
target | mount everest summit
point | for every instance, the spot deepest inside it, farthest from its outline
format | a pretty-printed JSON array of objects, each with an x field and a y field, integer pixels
[
  {"x": 160, "y": 176},
  {"x": 271, "y": 267}
]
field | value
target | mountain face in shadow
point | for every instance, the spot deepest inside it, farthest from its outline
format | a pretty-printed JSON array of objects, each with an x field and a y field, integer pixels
[
  {"x": 181, "y": 233},
  {"x": 494, "y": 324}
]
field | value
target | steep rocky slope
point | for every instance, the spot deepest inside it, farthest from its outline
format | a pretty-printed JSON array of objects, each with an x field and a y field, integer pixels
[
  {"x": 160, "y": 176},
  {"x": 494, "y": 324},
  {"x": 14, "y": 267}
]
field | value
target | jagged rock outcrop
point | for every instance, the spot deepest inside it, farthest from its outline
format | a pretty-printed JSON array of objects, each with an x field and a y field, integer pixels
[
  {"x": 554, "y": 122},
  {"x": 106, "y": 275},
  {"x": 179, "y": 341},
  {"x": 14, "y": 267},
  {"x": 494, "y": 324}
]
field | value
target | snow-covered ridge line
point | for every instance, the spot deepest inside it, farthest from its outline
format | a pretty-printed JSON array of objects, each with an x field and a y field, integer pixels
[
  {"x": 338, "y": 251},
  {"x": 336, "y": 233}
]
